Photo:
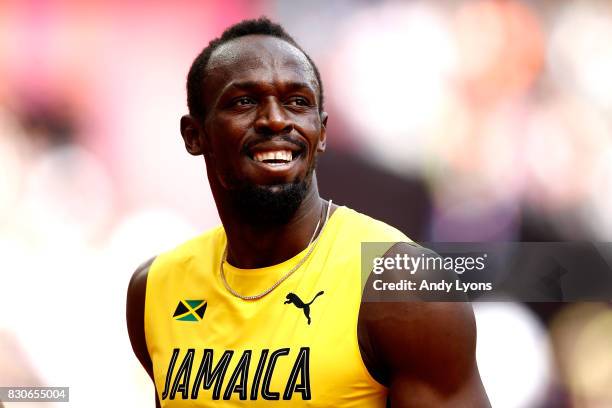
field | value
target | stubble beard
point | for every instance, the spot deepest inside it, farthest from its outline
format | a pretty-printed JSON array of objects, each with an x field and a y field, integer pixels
[{"x": 272, "y": 204}]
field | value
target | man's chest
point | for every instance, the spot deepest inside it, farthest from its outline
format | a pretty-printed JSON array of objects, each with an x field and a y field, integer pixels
[{"x": 298, "y": 346}]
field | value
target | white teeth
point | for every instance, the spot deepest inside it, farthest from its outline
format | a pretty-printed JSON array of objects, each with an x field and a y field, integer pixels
[{"x": 285, "y": 155}]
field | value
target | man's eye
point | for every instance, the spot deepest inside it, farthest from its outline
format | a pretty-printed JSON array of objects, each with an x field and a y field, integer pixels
[
  {"x": 299, "y": 101},
  {"x": 244, "y": 101}
]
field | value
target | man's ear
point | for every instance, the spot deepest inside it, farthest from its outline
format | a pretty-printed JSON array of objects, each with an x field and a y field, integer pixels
[
  {"x": 323, "y": 139},
  {"x": 193, "y": 135}
]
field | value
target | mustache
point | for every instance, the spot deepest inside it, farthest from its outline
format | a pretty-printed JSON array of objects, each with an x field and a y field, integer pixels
[{"x": 285, "y": 138}]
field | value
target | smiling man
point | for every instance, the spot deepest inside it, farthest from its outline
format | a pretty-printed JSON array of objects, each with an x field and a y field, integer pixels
[{"x": 266, "y": 310}]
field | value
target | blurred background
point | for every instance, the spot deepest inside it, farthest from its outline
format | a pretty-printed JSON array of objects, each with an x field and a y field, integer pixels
[{"x": 452, "y": 120}]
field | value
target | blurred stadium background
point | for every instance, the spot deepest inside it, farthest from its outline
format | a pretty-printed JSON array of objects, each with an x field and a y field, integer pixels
[{"x": 492, "y": 120}]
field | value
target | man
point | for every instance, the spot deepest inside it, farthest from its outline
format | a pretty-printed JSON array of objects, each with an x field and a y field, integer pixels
[{"x": 266, "y": 310}]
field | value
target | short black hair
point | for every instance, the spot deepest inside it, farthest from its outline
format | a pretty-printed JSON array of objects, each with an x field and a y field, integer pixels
[{"x": 260, "y": 26}]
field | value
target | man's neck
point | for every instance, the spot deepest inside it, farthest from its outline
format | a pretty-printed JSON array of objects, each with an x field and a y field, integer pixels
[{"x": 256, "y": 246}]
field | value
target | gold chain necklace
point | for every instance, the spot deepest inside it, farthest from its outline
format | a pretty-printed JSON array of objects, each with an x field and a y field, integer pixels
[{"x": 313, "y": 241}]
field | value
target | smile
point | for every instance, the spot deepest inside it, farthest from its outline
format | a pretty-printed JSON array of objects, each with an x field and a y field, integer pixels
[{"x": 274, "y": 157}]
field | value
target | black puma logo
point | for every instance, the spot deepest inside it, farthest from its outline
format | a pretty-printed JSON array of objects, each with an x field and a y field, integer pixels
[{"x": 295, "y": 299}]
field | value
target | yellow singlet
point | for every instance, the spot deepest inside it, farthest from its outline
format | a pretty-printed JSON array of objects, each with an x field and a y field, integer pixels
[{"x": 295, "y": 347}]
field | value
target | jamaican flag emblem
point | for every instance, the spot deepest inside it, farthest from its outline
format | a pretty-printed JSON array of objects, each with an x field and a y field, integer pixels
[{"x": 190, "y": 310}]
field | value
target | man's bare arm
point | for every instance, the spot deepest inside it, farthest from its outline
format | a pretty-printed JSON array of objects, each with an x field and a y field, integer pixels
[
  {"x": 425, "y": 352},
  {"x": 135, "y": 318}
]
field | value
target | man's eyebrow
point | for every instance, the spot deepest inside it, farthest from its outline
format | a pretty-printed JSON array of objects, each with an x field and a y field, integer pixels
[{"x": 252, "y": 85}]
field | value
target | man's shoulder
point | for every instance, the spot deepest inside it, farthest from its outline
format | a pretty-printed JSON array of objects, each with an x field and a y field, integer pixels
[
  {"x": 369, "y": 229},
  {"x": 201, "y": 245}
]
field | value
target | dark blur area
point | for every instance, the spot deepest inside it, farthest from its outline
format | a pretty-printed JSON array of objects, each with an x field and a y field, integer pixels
[{"x": 467, "y": 121}]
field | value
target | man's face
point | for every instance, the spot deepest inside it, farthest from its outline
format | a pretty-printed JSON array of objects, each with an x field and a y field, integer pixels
[{"x": 262, "y": 124}]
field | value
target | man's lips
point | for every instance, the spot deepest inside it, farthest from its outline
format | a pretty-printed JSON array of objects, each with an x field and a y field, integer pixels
[
  {"x": 273, "y": 156},
  {"x": 275, "y": 152}
]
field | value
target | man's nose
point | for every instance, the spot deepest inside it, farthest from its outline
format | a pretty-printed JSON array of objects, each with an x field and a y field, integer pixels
[{"x": 272, "y": 118}]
